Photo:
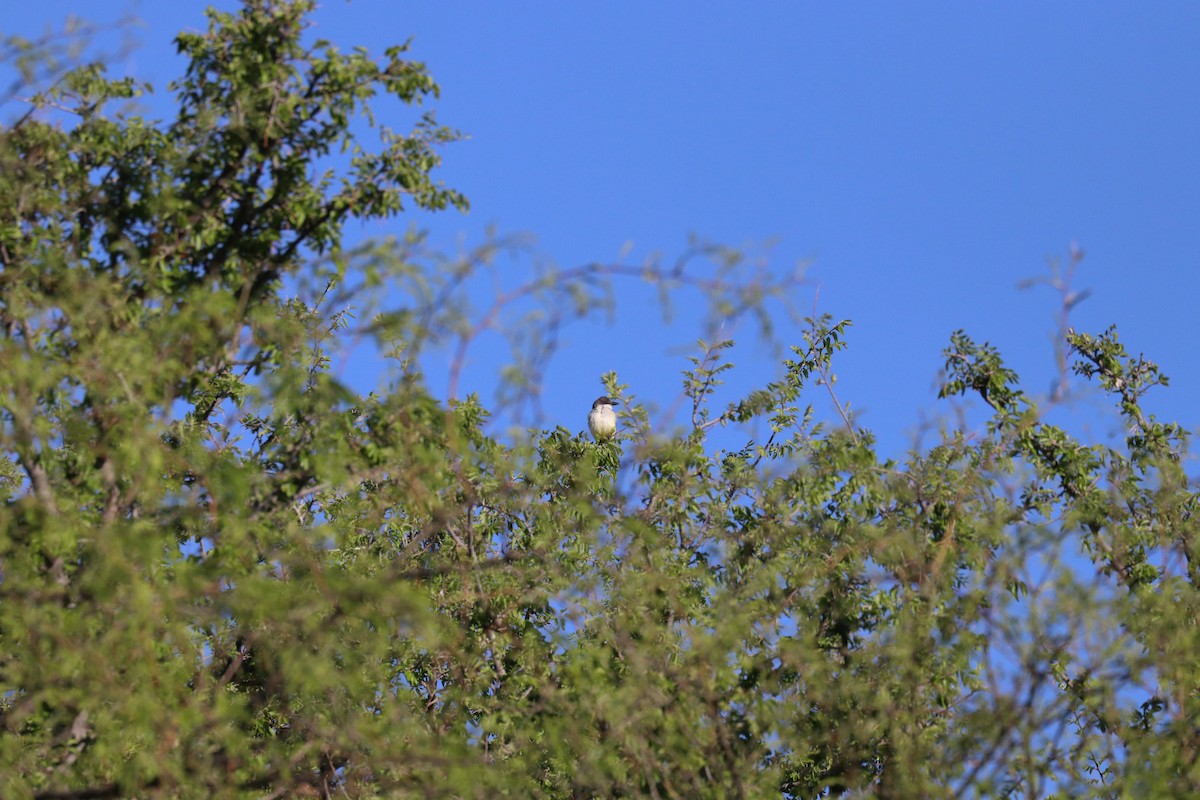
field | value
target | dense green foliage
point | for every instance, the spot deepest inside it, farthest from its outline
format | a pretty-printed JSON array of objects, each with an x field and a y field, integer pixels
[{"x": 225, "y": 574}]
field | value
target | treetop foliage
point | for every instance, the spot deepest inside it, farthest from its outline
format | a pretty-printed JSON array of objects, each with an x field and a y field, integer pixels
[{"x": 225, "y": 573}]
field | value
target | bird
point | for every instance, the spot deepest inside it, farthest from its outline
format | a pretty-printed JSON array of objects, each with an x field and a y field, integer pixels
[{"x": 602, "y": 420}]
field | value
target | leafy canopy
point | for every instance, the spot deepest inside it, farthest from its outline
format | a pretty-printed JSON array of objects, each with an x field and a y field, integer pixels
[{"x": 224, "y": 573}]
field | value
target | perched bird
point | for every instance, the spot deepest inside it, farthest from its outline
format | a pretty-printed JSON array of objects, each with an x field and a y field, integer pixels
[{"x": 602, "y": 420}]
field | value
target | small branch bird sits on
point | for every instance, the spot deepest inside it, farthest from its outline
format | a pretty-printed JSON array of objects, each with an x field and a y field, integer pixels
[{"x": 602, "y": 420}]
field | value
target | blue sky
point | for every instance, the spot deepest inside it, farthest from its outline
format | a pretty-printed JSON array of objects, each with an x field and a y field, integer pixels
[{"x": 923, "y": 157}]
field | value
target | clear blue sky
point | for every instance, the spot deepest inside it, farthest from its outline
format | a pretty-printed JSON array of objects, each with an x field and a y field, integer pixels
[{"x": 924, "y": 156}]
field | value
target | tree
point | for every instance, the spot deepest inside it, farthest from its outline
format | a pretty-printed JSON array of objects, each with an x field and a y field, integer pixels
[{"x": 226, "y": 574}]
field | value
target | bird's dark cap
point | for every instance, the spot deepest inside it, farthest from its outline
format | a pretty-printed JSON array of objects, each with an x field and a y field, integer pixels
[{"x": 605, "y": 400}]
